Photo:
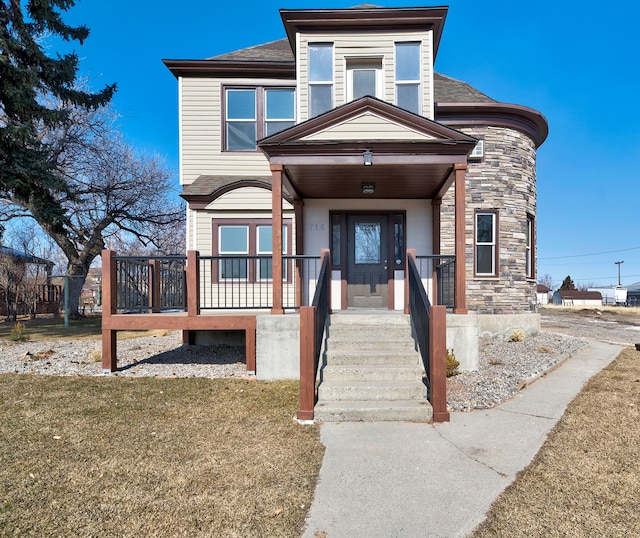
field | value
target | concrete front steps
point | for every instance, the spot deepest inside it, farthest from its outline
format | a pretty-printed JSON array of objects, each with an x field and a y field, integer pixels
[{"x": 372, "y": 370}]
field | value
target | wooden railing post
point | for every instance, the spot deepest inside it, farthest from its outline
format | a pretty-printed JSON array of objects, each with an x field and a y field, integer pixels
[
  {"x": 438, "y": 363},
  {"x": 109, "y": 303},
  {"x": 193, "y": 284},
  {"x": 307, "y": 360},
  {"x": 410, "y": 252}
]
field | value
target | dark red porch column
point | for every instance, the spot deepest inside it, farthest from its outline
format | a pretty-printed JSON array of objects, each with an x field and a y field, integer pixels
[
  {"x": 460, "y": 240},
  {"x": 276, "y": 236}
]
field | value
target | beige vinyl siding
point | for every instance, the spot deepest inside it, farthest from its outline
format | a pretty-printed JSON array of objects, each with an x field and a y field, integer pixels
[
  {"x": 368, "y": 127},
  {"x": 364, "y": 45},
  {"x": 202, "y": 111},
  {"x": 204, "y": 225},
  {"x": 246, "y": 199}
]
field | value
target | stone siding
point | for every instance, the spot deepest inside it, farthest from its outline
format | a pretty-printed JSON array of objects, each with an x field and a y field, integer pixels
[{"x": 505, "y": 181}]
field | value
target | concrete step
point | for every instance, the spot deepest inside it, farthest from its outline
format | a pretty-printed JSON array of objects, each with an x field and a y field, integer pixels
[
  {"x": 359, "y": 331},
  {"x": 372, "y": 357},
  {"x": 372, "y": 411},
  {"x": 366, "y": 372},
  {"x": 378, "y": 318},
  {"x": 371, "y": 343},
  {"x": 371, "y": 390}
]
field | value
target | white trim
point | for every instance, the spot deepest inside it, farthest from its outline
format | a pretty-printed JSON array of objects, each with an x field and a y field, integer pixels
[
  {"x": 180, "y": 148},
  {"x": 299, "y": 82},
  {"x": 432, "y": 106}
]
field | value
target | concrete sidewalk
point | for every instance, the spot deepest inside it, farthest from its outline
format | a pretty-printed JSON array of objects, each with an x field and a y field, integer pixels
[{"x": 422, "y": 480}]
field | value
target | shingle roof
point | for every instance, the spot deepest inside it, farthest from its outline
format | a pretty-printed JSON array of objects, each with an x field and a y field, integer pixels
[
  {"x": 450, "y": 90},
  {"x": 208, "y": 185},
  {"x": 446, "y": 89},
  {"x": 579, "y": 294},
  {"x": 541, "y": 288},
  {"x": 274, "y": 51}
]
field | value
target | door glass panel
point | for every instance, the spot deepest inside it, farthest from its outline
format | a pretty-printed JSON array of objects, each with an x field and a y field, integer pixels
[
  {"x": 398, "y": 232},
  {"x": 335, "y": 239},
  {"x": 367, "y": 243}
]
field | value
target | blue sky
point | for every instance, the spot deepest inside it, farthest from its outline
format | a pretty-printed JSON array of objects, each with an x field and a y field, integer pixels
[{"x": 576, "y": 62}]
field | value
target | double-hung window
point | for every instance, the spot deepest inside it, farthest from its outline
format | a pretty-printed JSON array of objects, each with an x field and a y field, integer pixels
[
  {"x": 245, "y": 249},
  {"x": 233, "y": 239},
  {"x": 320, "y": 78},
  {"x": 530, "y": 267},
  {"x": 254, "y": 113},
  {"x": 408, "y": 76},
  {"x": 486, "y": 245}
]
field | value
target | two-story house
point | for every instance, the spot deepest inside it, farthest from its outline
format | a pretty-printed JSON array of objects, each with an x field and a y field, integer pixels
[{"x": 341, "y": 137}]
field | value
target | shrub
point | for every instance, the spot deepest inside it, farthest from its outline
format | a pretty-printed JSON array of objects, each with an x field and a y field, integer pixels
[
  {"x": 452, "y": 363},
  {"x": 516, "y": 336},
  {"x": 96, "y": 354},
  {"x": 19, "y": 333}
]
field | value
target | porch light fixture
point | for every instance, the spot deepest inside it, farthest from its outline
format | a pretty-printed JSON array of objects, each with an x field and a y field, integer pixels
[
  {"x": 368, "y": 188},
  {"x": 368, "y": 157}
]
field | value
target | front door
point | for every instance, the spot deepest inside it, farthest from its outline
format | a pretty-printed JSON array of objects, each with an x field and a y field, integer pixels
[{"x": 367, "y": 261}]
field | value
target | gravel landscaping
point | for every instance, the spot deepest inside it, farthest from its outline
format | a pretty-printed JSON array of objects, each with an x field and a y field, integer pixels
[{"x": 505, "y": 367}]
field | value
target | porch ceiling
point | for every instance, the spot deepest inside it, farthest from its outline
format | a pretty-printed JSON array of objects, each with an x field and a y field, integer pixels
[{"x": 390, "y": 181}]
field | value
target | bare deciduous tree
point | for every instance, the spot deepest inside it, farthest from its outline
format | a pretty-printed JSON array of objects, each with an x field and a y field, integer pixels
[{"x": 113, "y": 190}]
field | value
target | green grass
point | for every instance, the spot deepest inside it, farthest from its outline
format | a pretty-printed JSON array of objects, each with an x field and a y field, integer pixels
[{"x": 153, "y": 457}]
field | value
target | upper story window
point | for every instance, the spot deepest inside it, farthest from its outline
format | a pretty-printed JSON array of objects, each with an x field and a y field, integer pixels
[
  {"x": 320, "y": 78},
  {"x": 254, "y": 113},
  {"x": 364, "y": 77},
  {"x": 408, "y": 76}
]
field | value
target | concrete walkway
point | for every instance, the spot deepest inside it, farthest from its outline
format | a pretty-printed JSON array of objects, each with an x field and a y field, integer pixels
[{"x": 421, "y": 480}]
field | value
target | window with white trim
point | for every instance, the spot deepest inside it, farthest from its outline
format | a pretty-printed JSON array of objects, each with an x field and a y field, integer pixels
[
  {"x": 408, "y": 76},
  {"x": 530, "y": 266},
  {"x": 486, "y": 245},
  {"x": 252, "y": 113},
  {"x": 320, "y": 78},
  {"x": 364, "y": 77}
]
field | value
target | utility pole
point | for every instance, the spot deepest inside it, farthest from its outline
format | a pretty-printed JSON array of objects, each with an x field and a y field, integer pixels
[{"x": 619, "y": 264}]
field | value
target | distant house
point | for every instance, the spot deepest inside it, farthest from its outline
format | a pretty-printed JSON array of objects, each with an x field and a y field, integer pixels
[
  {"x": 25, "y": 284},
  {"x": 542, "y": 293},
  {"x": 577, "y": 298},
  {"x": 633, "y": 294}
]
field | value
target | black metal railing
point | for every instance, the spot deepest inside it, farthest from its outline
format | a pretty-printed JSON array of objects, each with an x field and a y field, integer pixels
[
  {"x": 158, "y": 283},
  {"x": 150, "y": 282},
  {"x": 442, "y": 271},
  {"x": 245, "y": 282},
  {"x": 321, "y": 304},
  {"x": 305, "y": 274},
  {"x": 419, "y": 307}
]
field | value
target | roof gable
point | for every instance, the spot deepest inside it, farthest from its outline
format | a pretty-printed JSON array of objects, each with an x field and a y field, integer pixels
[{"x": 379, "y": 119}]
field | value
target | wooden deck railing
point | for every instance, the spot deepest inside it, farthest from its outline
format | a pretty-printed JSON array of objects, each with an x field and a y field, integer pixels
[
  {"x": 313, "y": 320},
  {"x": 429, "y": 328}
]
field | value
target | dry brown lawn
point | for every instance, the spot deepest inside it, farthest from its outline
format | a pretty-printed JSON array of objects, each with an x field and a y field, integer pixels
[
  {"x": 585, "y": 481},
  {"x": 153, "y": 457}
]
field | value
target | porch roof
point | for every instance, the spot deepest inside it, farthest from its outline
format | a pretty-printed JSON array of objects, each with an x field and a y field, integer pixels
[{"x": 412, "y": 156}]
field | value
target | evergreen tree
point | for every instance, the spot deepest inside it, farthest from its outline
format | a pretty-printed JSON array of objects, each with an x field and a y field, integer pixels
[
  {"x": 567, "y": 284},
  {"x": 27, "y": 77}
]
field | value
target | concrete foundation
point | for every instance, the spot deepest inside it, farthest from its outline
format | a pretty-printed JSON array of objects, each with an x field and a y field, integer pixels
[
  {"x": 277, "y": 347},
  {"x": 503, "y": 325},
  {"x": 462, "y": 337}
]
